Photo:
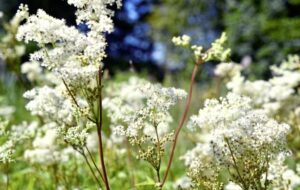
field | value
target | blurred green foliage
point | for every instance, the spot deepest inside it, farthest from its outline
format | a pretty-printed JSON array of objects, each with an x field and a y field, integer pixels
[{"x": 267, "y": 30}]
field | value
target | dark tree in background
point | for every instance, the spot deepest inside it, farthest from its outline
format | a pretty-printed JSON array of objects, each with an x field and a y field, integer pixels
[{"x": 130, "y": 45}]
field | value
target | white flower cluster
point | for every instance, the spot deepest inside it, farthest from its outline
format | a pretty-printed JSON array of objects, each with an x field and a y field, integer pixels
[
  {"x": 21, "y": 14},
  {"x": 143, "y": 105},
  {"x": 72, "y": 55},
  {"x": 228, "y": 70},
  {"x": 125, "y": 99},
  {"x": 217, "y": 52},
  {"x": 36, "y": 74},
  {"x": 140, "y": 112},
  {"x": 46, "y": 149},
  {"x": 283, "y": 177},
  {"x": 236, "y": 137},
  {"x": 181, "y": 40},
  {"x": 183, "y": 183},
  {"x": 51, "y": 104},
  {"x": 75, "y": 59},
  {"x": 276, "y": 96},
  {"x": 95, "y": 13},
  {"x": 13, "y": 136}
]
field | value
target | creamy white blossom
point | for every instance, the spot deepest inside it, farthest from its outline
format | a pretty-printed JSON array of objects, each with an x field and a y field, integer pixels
[
  {"x": 237, "y": 136},
  {"x": 183, "y": 183},
  {"x": 140, "y": 112},
  {"x": 32, "y": 70},
  {"x": 50, "y": 103},
  {"x": 217, "y": 51},
  {"x": 21, "y": 14},
  {"x": 181, "y": 40},
  {"x": 228, "y": 70},
  {"x": 232, "y": 186},
  {"x": 15, "y": 135}
]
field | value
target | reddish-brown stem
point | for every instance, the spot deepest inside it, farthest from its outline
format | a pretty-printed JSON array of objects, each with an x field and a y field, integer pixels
[
  {"x": 182, "y": 120},
  {"x": 99, "y": 132}
]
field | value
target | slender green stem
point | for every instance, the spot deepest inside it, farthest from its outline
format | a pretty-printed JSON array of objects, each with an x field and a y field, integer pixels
[
  {"x": 235, "y": 164},
  {"x": 94, "y": 163},
  {"x": 7, "y": 175},
  {"x": 266, "y": 184},
  {"x": 130, "y": 170},
  {"x": 90, "y": 167},
  {"x": 158, "y": 154}
]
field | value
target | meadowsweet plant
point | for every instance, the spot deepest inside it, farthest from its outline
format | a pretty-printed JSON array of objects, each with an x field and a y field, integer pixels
[
  {"x": 74, "y": 104},
  {"x": 139, "y": 111},
  {"x": 278, "y": 96},
  {"x": 217, "y": 52},
  {"x": 80, "y": 117},
  {"x": 237, "y": 139}
]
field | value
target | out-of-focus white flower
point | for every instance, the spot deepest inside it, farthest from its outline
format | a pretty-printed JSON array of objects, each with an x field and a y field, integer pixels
[
  {"x": 47, "y": 140},
  {"x": 198, "y": 50},
  {"x": 281, "y": 176},
  {"x": 232, "y": 186},
  {"x": 278, "y": 96},
  {"x": 22, "y": 13},
  {"x": 228, "y": 70},
  {"x": 7, "y": 111},
  {"x": 92, "y": 141},
  {"x": 183, "y": 183},
  {"x": 32, "y": 70},
  {"x": 140, "y": 104},
  {"x": 181, "y": 40},
  {"x": 15, "y": 136}
]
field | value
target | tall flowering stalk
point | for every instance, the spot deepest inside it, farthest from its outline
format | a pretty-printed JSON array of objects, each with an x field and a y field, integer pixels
[
  {"x": 74, "y": 102},
  {"x": 216, "y": 52}
]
